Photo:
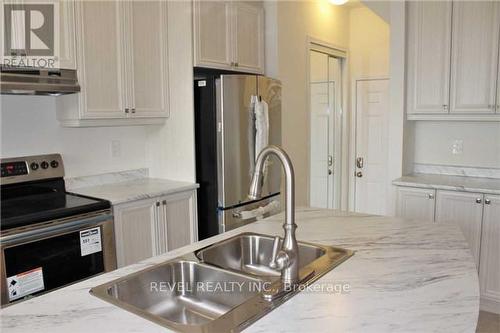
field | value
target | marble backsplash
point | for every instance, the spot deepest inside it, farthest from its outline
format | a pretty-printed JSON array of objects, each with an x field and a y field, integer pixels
[
  {"x": 456, "y": 170},
  {"x": 105, "y": 178}
]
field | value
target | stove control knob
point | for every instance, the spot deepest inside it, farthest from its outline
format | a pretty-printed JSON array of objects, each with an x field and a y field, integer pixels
[
  {"x": 44, "y": 165},
  {"x": 34, "y": 166},
  {"x": 54, "y": 164}
]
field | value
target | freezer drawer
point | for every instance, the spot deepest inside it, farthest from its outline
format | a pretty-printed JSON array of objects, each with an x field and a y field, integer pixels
[{"x": 230, "y": 219}]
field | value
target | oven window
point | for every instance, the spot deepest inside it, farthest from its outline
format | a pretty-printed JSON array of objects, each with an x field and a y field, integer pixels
[{"x": 60, "y": 259}]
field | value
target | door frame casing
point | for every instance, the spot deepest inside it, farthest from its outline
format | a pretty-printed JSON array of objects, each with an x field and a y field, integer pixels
[
  {"x": 318, "y": 45},
  {"x": 353, "y": 135}
]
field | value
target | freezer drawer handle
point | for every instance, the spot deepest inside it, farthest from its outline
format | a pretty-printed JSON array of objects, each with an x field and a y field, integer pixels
[{"x": 258, "y": 213}]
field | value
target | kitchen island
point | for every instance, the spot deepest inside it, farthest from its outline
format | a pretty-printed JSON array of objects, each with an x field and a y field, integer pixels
[{"x": 405, "y": 276}]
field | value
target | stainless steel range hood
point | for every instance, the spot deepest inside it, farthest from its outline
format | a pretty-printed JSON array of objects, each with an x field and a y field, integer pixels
[{"x": 38, "y": 81}]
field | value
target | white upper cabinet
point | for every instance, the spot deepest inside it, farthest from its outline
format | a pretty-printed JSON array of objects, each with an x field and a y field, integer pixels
[
  {"x": 474, "y": 56},
  {"x": 465, "y": 210},
  {"x": 148, "y": 68},
  {"x": 452, "y": 60},
  {"x": 66, "y": 33},
  {"x": 229, "y": 35},
  {"x": 101, "y": 60},
  {"x": 248, "y": 43},
  {"x": 429, "y": 48},
  {"x": 122, "y": 65},
  {"x": 67, "y": 40},
  {"x": 212, "y": 33}
]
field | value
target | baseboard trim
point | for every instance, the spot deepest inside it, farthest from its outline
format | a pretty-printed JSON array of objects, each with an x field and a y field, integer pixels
[{"x": 489, "y": 305}]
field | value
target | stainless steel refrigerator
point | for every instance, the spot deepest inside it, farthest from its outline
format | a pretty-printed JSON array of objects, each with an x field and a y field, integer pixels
[{"x": 225, "y": 132}]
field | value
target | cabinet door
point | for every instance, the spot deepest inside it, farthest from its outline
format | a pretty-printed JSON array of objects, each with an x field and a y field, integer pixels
[
  {"x": 148, "y": 60},
  {"x": 466, "y": 211},
  {"x": 490, "y": 249},
  {"x": 13, "y": 44},
  {"x": 67, "y": 39},
  {"x": 66, "y": 50},
  {"x": 248, "y": 36},
  {"x": 474, "y": 56},
  {"x": 429, "y": 47},
  {"x": 212, "y": 31},
  {"x": 101, "y": 59},
  {"x": 135, "y": 230},
  {"x": 415, "y": 203},
  {"x": 180, "y": 219}
]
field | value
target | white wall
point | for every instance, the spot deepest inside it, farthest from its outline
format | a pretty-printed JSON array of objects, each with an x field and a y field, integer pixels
[
  {"x": 29, "y": 127},
  {"x": 296, "y": 21},
  {"x": 481, "y": 143},
  {"x": 369, "y": 44},
  {"x": 171, "y": 147}
]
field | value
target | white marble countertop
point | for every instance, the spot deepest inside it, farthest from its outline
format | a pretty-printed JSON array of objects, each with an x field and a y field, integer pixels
[
  {"x": 135, "y": 189},
  {"x": 454, "y": 183},
  {"x": 404, "y": 277}
]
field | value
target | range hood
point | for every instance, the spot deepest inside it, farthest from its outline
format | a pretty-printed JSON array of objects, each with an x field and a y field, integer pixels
[{"x": 38, "y": 81}]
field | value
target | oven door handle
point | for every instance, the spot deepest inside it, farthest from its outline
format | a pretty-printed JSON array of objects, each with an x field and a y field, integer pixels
[{"x": 53, "y": 230}]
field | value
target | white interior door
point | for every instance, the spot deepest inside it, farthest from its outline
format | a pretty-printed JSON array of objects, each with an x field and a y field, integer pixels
[
  {"x": 325, "y": 91},
  {"x": 372, "y": 115}
]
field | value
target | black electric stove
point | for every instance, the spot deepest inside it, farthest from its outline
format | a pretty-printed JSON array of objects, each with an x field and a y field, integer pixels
[
  {"x": 33, "y": 191},
  {"x": 49, "y": 237}
]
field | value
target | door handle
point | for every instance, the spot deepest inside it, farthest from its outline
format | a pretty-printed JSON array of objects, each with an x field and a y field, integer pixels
[{"x": 360, "y": 162}]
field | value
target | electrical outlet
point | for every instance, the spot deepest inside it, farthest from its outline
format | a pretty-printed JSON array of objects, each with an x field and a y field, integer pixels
[
  {"x": 116, "y": 148},
  {"x": 457, "y": 148}
]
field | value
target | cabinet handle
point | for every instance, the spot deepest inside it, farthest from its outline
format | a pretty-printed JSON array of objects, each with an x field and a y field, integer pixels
[
  {"x": 164, "y": 202},
  {"x": 430, "y": 196},
  {"x": 479, "y": 200},
  {"x": 236, "y": 64},
  {"x": 133, "y": 110},
  {"x": 487, "y": 201},
  {"x": 127, "y": 110}
]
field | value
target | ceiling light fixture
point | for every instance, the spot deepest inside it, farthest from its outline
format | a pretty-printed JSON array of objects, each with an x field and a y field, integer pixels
[{"x": 338, "y": 2}]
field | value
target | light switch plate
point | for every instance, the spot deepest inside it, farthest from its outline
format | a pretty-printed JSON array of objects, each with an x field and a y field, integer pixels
[{"x": 457, "y": 148}]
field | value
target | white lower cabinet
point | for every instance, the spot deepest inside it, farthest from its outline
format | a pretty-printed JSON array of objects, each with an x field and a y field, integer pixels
[
  {"x": 465, "y": 210},
  {"x": 150, "y": 227},
  {"x": 477, "y": 215},
  {"x": 416, "y": 203},
  {"x": 489, "y": 269}
]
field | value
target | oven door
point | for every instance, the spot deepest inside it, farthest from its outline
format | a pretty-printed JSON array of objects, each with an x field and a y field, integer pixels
[{"x": 58, "y": 254}]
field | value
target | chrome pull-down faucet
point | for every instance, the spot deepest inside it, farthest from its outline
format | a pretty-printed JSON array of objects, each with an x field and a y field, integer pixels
[{"x": 287, "y": 258}]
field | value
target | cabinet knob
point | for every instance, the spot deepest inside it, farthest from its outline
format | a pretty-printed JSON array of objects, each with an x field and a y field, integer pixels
[
  {"x": 133, "y": 110},
  {"x": 479, "y": 200},
  {"x": 236, "y": 64},
  {"x": 487, "y": 201},
  {"x": 164, "y": 202},
  {"x": 127, "y": 110},
  {"x": 430, "y": 196},
  {"x": 445, "y": 106},
  {"x": 157, "y": 204}
]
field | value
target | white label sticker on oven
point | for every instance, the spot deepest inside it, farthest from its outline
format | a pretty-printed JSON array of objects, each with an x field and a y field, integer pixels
[
  {"x": 25, "y": 283},
  {"x": 90, "y": 241}
]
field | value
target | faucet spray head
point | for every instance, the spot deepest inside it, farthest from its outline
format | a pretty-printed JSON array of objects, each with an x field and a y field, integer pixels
[{"x": 255, "y": 188}]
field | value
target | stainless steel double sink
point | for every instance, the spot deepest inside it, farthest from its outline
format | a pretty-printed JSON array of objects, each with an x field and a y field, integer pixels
[{"x": 221, "y": 288}]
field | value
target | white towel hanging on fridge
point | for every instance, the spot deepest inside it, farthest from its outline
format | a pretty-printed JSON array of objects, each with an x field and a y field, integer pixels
[{"x": 261, "y": 126}]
